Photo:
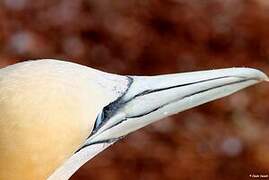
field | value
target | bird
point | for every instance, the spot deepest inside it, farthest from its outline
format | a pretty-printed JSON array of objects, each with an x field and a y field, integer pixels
[{"x": 56, "y": 115}]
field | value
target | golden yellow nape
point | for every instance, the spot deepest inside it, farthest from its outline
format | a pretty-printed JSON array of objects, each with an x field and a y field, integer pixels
[{"x": 47, "y": 110}]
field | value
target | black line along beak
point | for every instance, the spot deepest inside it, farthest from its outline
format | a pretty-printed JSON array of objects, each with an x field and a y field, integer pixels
[{"x": 149, "y": 99}]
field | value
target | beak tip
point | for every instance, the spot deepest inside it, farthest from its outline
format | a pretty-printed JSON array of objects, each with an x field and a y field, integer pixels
[
  {"x": 262, "y": 76},
  {"x": 257, "y": 74}
]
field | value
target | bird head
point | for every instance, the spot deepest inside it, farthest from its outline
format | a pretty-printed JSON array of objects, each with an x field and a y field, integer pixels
[{"x": 56, "y": 115}]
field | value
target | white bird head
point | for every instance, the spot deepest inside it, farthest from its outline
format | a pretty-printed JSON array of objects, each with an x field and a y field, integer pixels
[{"x": 56, "y": 115}]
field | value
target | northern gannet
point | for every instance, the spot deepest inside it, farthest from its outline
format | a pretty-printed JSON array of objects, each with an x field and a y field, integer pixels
[{"x": 57, "y": 115}]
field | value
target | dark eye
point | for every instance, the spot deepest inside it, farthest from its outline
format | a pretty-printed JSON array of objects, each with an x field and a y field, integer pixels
[
  {"x": 106, "y": 114},
  {"x": 98, "y": 120}
]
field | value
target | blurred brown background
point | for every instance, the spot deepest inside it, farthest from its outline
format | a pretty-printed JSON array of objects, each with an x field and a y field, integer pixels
[{"x": 226, "y": 139}]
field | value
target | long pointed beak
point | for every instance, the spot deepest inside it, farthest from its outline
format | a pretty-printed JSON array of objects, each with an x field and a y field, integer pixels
[
  {"x": 149, "y": 99},
  {"x": 152, "y": 98}
]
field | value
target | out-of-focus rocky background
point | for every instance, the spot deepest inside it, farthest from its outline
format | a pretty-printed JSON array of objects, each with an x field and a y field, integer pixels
[{"x": 226, "y": 139}]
